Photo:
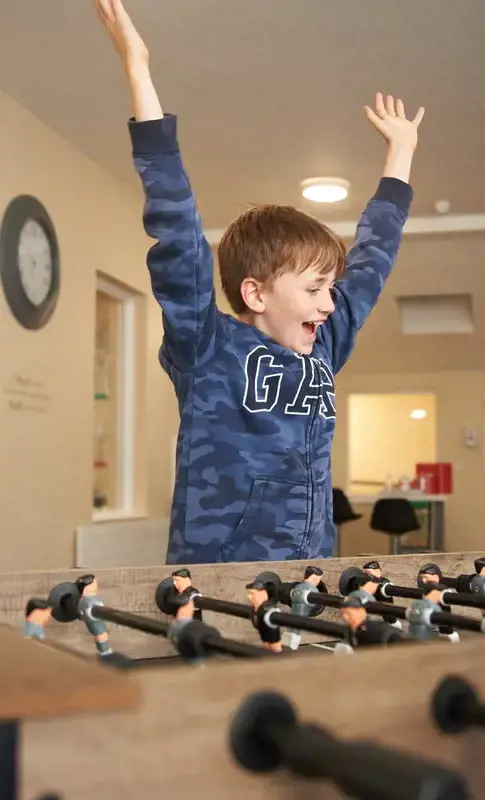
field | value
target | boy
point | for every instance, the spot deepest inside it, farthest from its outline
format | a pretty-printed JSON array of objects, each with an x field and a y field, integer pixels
[{"x": 255, "y": 391}]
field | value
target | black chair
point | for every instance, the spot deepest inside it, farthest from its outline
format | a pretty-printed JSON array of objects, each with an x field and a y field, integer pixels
[
  {"x": 394, "y": 516},
  {"x": 342, "y": 513}
]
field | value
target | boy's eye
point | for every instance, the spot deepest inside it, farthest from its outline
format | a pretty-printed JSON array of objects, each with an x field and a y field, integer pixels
[{"x": 314, "y": 290}]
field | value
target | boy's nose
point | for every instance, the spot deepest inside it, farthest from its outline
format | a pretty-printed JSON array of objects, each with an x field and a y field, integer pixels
[{"x": 327, "y": 306}]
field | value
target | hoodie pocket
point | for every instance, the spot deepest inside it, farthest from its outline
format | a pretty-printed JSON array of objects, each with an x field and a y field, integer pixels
[{"x": 273, "y": 523}]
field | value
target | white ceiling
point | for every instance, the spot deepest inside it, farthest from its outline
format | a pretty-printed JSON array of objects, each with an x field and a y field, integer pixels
[{"x": 269, "y": 92}]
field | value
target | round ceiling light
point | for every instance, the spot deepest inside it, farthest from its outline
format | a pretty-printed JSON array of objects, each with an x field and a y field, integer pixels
[
  {"x": 418, "y": 413},
  {"x": 325, "y": 190}
]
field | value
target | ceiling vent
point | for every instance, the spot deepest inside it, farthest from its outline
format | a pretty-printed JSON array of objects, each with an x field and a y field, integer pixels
[{"x": 432, "y": 314}]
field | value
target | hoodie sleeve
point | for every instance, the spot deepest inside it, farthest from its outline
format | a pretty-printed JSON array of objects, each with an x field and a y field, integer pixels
[
  {"x": 369, "y": 264},
  {"x": 180, "y": 262}
]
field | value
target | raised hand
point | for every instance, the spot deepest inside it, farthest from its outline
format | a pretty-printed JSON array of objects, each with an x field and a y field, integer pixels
[
  {"x": 390, "y": 120},
  {"x": 123, "y": 33},
  {"x": 135, "y": 58}
]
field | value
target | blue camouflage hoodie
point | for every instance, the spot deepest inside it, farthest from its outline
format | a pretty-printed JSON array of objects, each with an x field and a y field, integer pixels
[{"x": 253, "y": 477}]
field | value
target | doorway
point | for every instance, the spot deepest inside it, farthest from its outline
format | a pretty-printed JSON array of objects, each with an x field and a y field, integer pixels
[{"x": 388, "y": 435}]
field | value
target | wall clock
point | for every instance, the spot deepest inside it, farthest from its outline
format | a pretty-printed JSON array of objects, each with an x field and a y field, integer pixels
[{"x": 29, "y": 262}]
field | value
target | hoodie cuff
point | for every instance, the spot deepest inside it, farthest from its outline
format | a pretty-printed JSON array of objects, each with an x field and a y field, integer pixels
[
  {"x": 154, "y": 137},
  {"x": 393, "y": 190}
]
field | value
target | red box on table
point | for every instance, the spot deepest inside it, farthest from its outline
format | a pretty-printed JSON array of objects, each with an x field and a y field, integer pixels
[{"x": 438, "y": 477}]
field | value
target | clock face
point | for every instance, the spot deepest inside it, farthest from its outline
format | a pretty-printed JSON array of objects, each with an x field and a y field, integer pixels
[
  {"x": 29, "y": 262},
  {"x": 35, "y": 262}
]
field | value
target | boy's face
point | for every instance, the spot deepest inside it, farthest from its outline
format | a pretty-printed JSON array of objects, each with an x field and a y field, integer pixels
[{"x": 293, "y": 307}]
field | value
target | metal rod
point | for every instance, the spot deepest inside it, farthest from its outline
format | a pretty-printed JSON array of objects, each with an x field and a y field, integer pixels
[
  {"x": 281, "y": 618},
  {"x": 456, "y": 620},
  {"x": 326, "y": 627},
  {"x": 234, "y": 648},
  {"x": 147, "y": 625},
  {"x": 388, "y": 590},
  {"x": 459, "y": 599},
  {"x": 222, "y": 607},
  {"x": 127, "y": 620},
  {"x": 383, "y": 609}
]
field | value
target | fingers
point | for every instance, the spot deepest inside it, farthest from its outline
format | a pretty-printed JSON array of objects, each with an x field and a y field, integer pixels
[
  {"x": 391, "y": 109},
  {"x": 419, "y": 116},
  {"x": 373, "y": 117},
  {"x": 104, "y": 10},
  {"x": 109, "y": 10},
  {"x": 380, "y": 107},
  {"x": 390, "y": 105}
]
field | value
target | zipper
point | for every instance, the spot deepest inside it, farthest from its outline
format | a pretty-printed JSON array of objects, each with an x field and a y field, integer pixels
[{"x": 315, "y": 404}]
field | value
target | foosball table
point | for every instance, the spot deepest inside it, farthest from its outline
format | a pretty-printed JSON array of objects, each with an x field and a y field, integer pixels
[{"x": 335, "y": 678}]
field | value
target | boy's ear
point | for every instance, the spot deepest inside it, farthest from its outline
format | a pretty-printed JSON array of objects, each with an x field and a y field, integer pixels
[{"x": 253, "y": 294}]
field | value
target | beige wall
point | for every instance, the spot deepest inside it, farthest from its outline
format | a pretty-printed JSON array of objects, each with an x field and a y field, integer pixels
[
  {"x": 459, "y": 404},
  {"x": 46, "y": 455},
  {"x": 385, "y": 440}
]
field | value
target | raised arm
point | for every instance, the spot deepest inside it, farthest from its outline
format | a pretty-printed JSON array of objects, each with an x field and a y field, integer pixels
[
  {"x": 180, "y": 262},
  {"x": 379, "y": 231}
]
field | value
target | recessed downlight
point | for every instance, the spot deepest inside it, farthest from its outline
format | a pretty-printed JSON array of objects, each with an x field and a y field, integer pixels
[{"x": 325, "y": 190}]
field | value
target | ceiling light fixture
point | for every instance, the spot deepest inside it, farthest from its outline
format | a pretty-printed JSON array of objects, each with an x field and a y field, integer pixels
[
  {"x": 418, "y": 413},
  {"x": 325, "y": 190}
]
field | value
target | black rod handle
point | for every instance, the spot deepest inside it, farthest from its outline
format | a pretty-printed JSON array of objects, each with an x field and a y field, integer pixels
[
  {"x": 455, "y": 705},
  {"x": 265, "y": 735},
  {"x": 9, "y": 760}
]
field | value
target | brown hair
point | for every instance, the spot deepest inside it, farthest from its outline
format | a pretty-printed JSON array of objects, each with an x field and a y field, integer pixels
[{"x": 269, "y": 240}]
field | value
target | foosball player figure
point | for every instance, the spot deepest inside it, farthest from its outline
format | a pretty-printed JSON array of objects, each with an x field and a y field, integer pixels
[
  {"x": 479, "y": 565},
  {"x": 186, "y": 610},
  {"x": 185, "y": 614},
  {"x": 368, "y": 587},
  {"x": 373, "y": 568},
  {"x": 420, "y": 611},
  {"x": 38, "y": 614},
  {"x": 363, "y": 631},
  {"x": 299, "y": 604},
  {"x": 311, "y": 578},
  {"x": 258, "y": 599},
  {"x": 88, "y": 589},
  {"x": 182, "y": 581},
  {"x": 430, "y": 573}
]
